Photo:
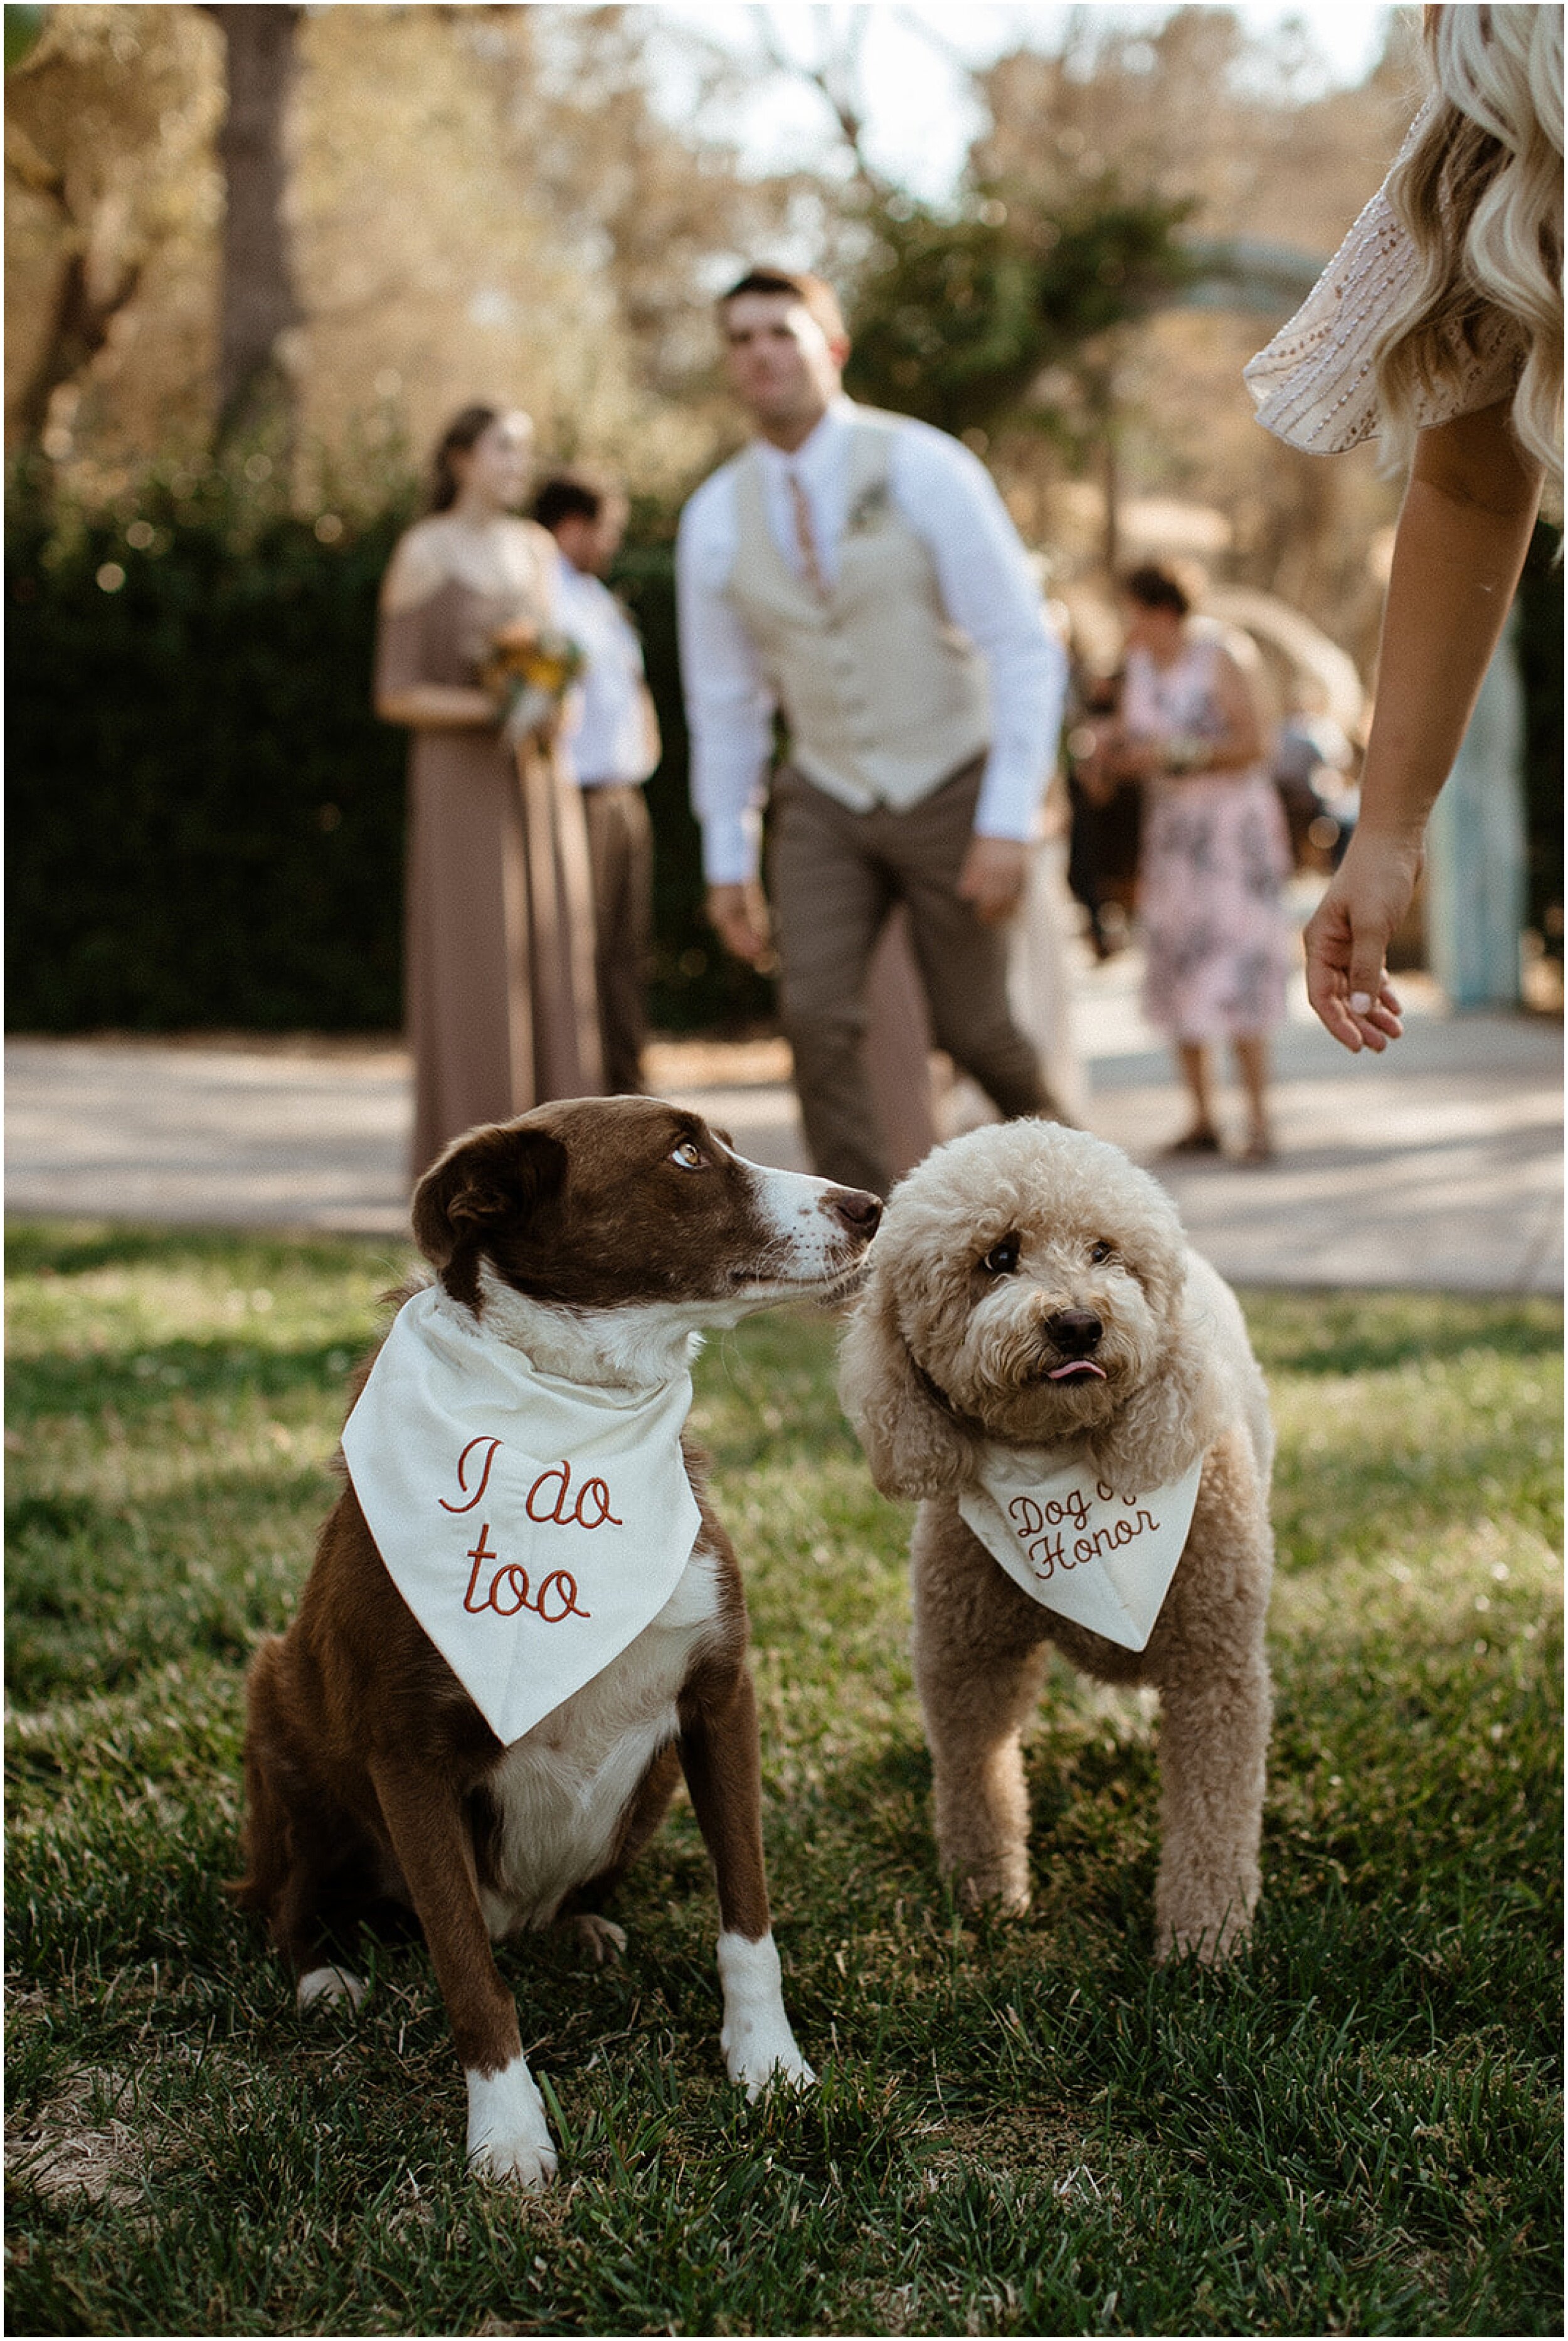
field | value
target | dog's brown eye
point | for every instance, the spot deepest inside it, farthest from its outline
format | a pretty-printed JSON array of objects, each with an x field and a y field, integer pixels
[
  {"x": 1099, "y": 1252},
  {"x": 1002, "y": 1258},
  {"x": 690, "y": 1156}
]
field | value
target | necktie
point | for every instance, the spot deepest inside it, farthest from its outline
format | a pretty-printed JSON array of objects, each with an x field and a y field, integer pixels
[{"x": 804, "y": 539}]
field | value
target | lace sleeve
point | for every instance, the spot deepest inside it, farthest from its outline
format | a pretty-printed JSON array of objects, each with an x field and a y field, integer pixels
[{"x": 1315, "y": 387}]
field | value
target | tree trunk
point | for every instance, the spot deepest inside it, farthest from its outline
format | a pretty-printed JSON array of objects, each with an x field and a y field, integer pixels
[{"x": 258, "y": 303}]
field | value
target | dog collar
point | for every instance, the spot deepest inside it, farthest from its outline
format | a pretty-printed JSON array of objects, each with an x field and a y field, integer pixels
[
  {"x": 533, "y": 1525},
  {"x": 1091, "y": 1552}
]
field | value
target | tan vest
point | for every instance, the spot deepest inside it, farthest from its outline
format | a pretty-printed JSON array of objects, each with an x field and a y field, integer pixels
[{"x": 883, "y": 697}]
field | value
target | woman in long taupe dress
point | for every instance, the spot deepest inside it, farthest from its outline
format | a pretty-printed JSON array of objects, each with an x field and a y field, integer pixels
[{"x": 498, "y": 922}]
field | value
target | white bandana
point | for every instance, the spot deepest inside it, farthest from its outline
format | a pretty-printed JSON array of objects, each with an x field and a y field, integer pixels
[
  {"x": 1104, "y": 1559},
  {"x": 533, "y": 1525}
]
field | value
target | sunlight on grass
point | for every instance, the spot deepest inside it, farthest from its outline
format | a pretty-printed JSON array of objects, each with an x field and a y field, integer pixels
[{"x": 1021, "y": 2128}]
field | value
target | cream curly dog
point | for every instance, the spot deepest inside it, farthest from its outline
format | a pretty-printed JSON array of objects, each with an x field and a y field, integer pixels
[{"x": 1030, "y": 1289}]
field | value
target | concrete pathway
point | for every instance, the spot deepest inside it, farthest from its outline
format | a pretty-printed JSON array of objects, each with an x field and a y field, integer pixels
[{"x": 1439, "y": 1164}]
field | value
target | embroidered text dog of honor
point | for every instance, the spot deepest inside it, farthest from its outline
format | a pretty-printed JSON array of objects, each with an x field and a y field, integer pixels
[
  {"x": 533, "y": 1525},
  {"x": 1079, "y": 1547}
]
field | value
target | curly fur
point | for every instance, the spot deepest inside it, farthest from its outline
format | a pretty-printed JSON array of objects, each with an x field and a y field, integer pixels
[{"x": 944, "y": 1355}]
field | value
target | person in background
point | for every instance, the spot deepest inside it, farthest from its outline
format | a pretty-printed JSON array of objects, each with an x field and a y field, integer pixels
[
  {"x": 1439, "y": 325},
  {"x": 498, "y": 918},
  {"x": 1102, "y": 862},
  {"x": 612, "y": 745},
  {"x": 1214, "y": 851},
  {"x": 857, "y": 572}
]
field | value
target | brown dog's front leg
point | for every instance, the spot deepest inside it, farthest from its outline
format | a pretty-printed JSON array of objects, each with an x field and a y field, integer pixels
[
  {"x": 723, "y": 1762},
  {"x": 508, "y": 2135}
]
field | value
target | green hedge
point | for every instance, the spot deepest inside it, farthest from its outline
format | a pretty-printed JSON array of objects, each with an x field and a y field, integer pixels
[{"x": 206, "y": 822}]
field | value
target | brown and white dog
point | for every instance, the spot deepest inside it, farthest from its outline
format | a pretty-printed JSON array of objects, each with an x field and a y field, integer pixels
[{"x": 602, "y": 1237}]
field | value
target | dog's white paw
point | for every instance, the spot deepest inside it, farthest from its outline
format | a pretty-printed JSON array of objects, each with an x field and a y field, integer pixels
[
  {"x": 326, "y": 1984},
  {"x": 759, "y": 2046},
  {"x": 508, "y": 2138},
  {"x": 601, "y": 1938},
  {"x": 757, "y": 2065},
  {"x": 516, "y": 2162}
]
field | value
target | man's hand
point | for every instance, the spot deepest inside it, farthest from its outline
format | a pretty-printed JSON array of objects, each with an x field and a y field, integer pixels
[
  {"x": 738, "y": 916},
  {"x": 1347, "y": 939},
  {"x": 995, "y": 872}
]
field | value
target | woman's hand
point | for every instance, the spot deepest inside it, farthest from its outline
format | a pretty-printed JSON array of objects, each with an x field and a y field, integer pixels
[
  {"x": 1348, "y": 934},
  {"x": 1136, "y": 760}
]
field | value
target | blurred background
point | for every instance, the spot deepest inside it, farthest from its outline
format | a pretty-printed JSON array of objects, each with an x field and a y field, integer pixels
[{"x": 255, "y": 257}]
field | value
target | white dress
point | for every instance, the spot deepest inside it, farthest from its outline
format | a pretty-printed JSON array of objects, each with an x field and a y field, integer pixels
[{"x": 1313, "y": 385}]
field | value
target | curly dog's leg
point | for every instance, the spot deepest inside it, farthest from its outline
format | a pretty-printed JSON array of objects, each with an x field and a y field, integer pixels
[
  {"x": 978, "y": 1674},
  {"x": 1212, "y": 1669},
  {"x": 1214, "y": 1736}
]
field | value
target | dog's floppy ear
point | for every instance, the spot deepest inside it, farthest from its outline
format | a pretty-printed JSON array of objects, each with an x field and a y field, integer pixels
[
  {"x": 912, "y": 1444},
  {"x": 487, "y": 1181}
]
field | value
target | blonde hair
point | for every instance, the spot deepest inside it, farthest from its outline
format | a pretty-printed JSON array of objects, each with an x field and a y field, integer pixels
[{"x": 1480, "y": 194}]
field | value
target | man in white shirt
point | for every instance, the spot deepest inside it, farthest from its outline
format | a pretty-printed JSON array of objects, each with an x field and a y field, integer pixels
[
  {"x": 612, "y": 742},
  {"x": 857, "y": 572}
]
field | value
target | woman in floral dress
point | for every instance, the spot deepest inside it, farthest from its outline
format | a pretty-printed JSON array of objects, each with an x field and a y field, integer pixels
[{"x": 1215, "y": 853}]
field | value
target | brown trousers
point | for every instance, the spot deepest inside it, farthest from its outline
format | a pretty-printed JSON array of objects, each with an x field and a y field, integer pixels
[
  {"x": 834, "y": 876},
  {"x": 621, "y": 855}
]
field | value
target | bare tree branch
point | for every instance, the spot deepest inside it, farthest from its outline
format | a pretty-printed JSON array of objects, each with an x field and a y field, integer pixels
[
  {"x": 78, "y": 328},
  {"x": 836, "y": 78},
  {"x": 33, "y": 170}
]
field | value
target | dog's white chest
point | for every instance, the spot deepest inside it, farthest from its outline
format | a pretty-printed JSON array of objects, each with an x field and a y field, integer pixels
[{"x": 562, "y": 1790}]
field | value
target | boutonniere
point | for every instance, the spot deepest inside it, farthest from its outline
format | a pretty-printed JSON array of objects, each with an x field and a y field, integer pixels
[{"x": 869, "y": 506}]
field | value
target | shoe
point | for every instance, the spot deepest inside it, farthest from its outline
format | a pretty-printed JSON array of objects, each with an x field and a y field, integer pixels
[
  {"x": 1258, "y": 1150},
  {"x": 1202, "y": 1139}
]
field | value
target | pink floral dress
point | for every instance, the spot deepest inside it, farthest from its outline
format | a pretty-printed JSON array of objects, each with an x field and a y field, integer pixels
[{"x": 1214, "y": 856}]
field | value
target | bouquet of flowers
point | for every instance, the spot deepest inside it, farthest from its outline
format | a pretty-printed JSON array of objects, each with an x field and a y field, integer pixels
[{"x": 528, "y": 670}]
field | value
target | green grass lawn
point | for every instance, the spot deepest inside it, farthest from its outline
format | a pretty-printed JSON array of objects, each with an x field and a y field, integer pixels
[{"x": 1021, "y": 2128}]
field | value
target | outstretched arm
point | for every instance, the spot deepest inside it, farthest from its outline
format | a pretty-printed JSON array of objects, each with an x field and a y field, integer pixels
[
  {"x": 437, "y": 707},
  {"x": 1463, "y": 532}
]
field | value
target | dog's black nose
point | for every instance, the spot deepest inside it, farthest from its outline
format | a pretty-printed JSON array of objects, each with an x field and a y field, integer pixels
[
  {"x": 1075, "y": 1331},
  {"x": 858, "y": 1210}
]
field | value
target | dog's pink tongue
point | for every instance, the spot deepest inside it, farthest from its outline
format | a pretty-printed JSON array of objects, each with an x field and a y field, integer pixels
[{"x": 1076, "y": 1366}]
